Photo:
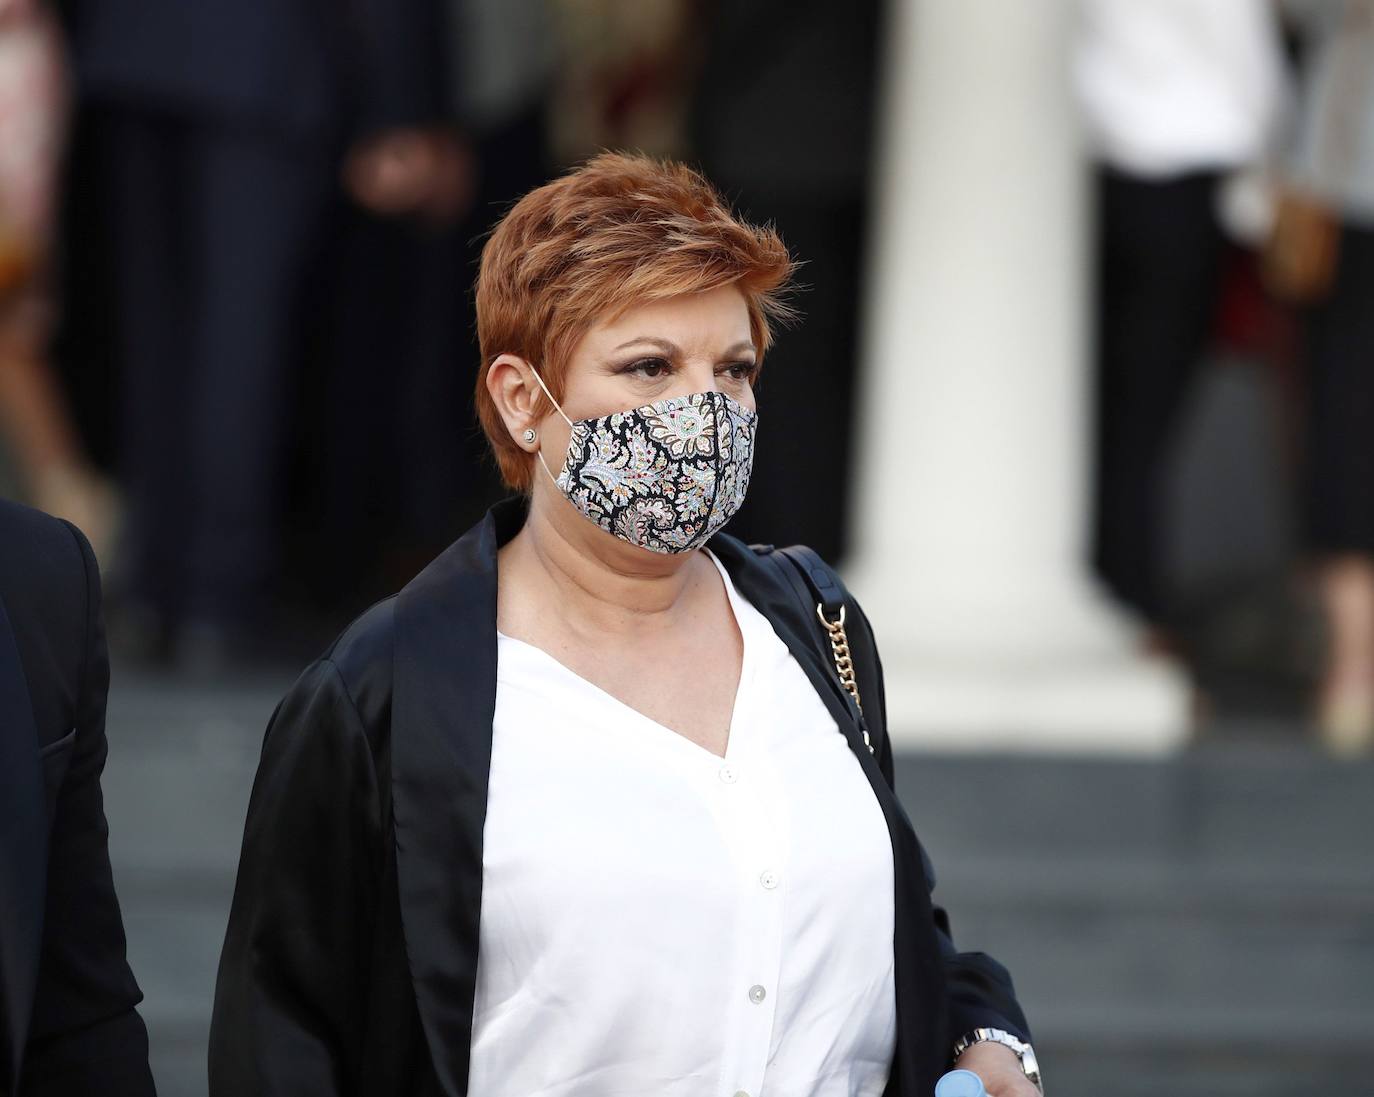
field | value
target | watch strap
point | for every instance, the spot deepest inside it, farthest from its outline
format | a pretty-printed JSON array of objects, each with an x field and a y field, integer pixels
[{"x": 1025, "y": 1054}]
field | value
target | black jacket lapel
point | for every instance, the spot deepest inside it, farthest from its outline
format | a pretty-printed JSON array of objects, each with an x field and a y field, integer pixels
[
  {"x": 23, "y": 856},
  {"x": 445, "y": 700}
]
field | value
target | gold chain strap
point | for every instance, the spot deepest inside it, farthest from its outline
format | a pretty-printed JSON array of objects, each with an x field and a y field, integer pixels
[{"x": 844, "y": 664}]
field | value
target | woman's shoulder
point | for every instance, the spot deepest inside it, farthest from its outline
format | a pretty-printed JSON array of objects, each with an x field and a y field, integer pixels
[
  {"x": 339, "y": 707},
  {"x": 798, "y": 570},
  {"x": 361, "y": 656}
]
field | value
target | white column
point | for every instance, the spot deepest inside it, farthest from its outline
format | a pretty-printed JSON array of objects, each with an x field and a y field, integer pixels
[{"x": 969, "y": 549}]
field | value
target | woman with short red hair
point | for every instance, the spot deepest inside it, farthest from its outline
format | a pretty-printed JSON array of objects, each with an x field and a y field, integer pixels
[{"x": 601, "y": 803}]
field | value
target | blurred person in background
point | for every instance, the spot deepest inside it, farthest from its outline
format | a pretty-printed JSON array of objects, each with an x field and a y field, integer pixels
[
  {"x": 787, "y": 132},
  {"x": 402, "y": 468},
  {"x": 220, "y": 128},
  {"x": 34, "y": 418},
  {"x": 69, "y": 1026},
  {"x": 1321, "y": 257},
  {"x": 1176, "y": 96},
  {"x": 540, "y": 799}
]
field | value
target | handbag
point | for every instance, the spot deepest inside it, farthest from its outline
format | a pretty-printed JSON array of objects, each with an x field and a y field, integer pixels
[{"x": 820, "y": 594}]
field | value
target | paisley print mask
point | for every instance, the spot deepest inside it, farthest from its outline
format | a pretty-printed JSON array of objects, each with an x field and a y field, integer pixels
[{"x": 665, "y": 476}]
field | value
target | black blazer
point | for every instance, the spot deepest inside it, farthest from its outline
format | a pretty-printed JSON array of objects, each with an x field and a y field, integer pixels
[
  {"x": 67, "y": 997},
  {"x": 350, "y": 962}
]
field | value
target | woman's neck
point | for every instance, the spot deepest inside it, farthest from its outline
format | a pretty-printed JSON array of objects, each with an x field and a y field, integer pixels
[{"x": 561, "y": 569}]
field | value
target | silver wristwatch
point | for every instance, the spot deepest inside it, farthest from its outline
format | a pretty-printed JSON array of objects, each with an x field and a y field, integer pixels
[{"x": 1023, "y": 1050}]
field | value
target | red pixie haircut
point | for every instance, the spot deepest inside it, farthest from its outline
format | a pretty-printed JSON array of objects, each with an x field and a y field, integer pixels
[{"x": 617, "y": 232}]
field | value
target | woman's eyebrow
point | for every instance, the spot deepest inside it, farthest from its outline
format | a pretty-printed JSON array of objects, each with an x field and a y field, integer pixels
[
  {"x": 669, "y": 347},
  {"x": 661, "y": 344}
]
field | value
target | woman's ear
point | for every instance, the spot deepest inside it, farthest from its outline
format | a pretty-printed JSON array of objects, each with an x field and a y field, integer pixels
[{"x": 515, "y": 392}]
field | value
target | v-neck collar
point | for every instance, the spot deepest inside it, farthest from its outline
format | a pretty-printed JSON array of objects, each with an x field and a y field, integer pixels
[
  {"x": 685, "y": 747},
  {"x": 656, "y": 732}
]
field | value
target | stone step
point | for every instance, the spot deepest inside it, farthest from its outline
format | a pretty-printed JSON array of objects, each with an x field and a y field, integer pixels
[
  {"x": 1123, "y": 885},
  {"x": 1286, "y": 803}
]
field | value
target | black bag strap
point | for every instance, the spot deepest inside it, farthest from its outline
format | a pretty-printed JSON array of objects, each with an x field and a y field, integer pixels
[{"x": 822, "y": 596}]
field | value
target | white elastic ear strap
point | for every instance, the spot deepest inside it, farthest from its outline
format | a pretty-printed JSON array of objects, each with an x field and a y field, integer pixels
[{"x": 549, "y": 395}]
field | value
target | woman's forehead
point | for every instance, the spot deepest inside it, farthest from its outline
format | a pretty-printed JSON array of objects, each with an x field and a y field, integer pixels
[{"x": 709, "y": 319}]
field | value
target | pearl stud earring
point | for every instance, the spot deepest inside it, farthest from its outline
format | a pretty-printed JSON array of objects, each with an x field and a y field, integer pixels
[{"x": 529, "y": 435}]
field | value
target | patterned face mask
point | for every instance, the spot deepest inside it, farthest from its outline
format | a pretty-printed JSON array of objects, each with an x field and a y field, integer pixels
[{"x": 665, "y": 476}]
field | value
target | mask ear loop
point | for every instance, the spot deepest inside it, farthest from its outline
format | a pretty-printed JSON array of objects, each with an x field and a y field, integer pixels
[{"x": 540, "y": 451}]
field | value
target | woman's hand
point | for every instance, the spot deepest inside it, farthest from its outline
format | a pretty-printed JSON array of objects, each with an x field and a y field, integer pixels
[{"x": 999, "y": 1068}]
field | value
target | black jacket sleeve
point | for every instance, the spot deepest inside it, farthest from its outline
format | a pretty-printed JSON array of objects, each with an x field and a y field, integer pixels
[
  {"x": 289, "y": 1011},
  {"x": 981, "y": 994},
  {"x": 86, "y": 1036}
]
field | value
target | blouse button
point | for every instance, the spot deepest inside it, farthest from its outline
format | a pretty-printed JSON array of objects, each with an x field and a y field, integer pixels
[
  {"x": 728, "y": 774},
  {"x": 741, "y": 1093},
  {"x": 757, "y": 994},
  {"x": 769, "y": 879}
]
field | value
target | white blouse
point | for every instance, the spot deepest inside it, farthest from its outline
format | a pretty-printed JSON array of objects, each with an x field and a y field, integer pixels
[{"x": 660, "y": 920}]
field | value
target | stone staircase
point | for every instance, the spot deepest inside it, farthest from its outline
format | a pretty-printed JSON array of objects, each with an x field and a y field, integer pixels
[
  {"x": 1201, "y": 926},
  {"x": 1198, "y": 926}
]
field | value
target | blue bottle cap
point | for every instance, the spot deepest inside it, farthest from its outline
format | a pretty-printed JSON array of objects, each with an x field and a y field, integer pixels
[{"x": 960, "y": 1083}]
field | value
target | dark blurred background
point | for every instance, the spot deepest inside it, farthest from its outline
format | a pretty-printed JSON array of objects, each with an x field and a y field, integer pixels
[{"x": 237, "y": 347}]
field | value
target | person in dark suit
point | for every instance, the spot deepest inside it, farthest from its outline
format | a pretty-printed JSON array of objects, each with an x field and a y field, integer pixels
[
  {"x": 220, "y": 130},
  {"x": 68, "y": 1024}
]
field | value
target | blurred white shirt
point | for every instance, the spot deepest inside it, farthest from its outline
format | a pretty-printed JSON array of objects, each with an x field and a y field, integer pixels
[{"x": 1172, "y": 86}]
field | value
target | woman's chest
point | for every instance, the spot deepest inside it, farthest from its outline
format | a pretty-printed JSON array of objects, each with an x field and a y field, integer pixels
[
  {"x": 687, "y": 682},
  {"x": 599, "y": 817}
]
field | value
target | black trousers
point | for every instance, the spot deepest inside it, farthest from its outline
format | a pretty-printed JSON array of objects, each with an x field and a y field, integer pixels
[
  {"x": 1158, "y": 278},
  {"x": 214, "y": 228},
  {"x": 1339, "y": 471}
]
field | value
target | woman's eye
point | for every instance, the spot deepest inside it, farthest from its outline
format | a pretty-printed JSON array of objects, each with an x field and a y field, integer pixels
[
  {"x": 741, "y": 371},
  {"x": 652, "y": 368}
]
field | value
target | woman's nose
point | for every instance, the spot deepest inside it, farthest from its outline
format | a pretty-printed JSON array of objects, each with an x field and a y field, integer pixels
[{"x": 697, "y": 377}]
